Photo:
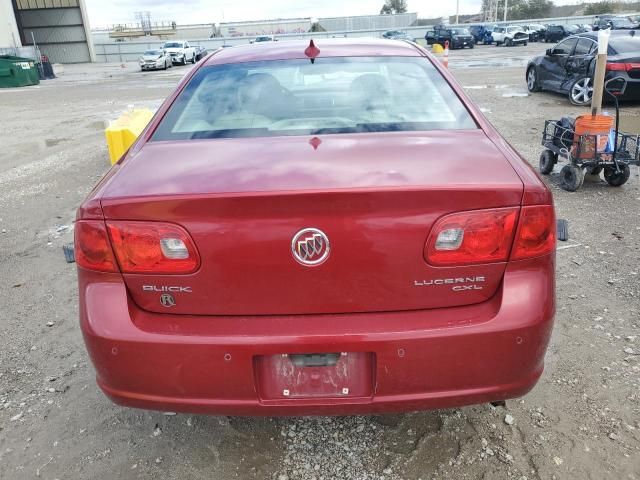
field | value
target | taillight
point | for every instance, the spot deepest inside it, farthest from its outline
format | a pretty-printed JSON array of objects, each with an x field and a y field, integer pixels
[
  {"x": 622, "y": 67},
  {"x": 92, "y": 248},
  {"x": 536, "y": 235},
  {"x": 478, "y": 236},
  {"x": 152, "y": 247}
]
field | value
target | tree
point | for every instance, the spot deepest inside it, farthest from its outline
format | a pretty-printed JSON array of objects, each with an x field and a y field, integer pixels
[
  {"x": 598, "y": 8},
  {"x": 391, "y": 7}
]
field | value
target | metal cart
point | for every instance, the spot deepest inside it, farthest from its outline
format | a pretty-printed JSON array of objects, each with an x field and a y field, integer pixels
[{"x": 588, "y": 154}]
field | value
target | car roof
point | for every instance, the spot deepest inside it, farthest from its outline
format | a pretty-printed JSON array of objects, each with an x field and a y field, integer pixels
[
  {"x": 614, "y": 34},
  {"x": 329, "y": 47}
]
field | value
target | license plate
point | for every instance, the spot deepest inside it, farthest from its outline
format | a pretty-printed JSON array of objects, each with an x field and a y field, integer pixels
[{"x": 343, "y": 374}]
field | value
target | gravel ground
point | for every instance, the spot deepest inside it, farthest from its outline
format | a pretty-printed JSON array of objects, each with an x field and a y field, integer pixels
[{"x": 582, "y": 421}]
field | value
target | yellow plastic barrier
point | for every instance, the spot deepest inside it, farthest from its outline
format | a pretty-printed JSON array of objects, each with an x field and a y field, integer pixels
[
  {"x": 123, "y": 132},
  {"x": 437, "y": 48}
]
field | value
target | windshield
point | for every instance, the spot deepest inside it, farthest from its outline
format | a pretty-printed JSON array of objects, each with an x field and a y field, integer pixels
[
  {"x": 296, "y": 97},
  {"x": 263, "y": 39},
  {"x": 153, "y": 52},
  {"x": 621, "y": 22},
  {"x": 514, "y": 29},
  {"x": 172, "y": 45},
  {"x": 460, "y": 31}
]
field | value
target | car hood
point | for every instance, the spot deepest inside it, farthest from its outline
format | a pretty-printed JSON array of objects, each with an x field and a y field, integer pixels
[
  {"x": 151, "y": 57},
  {"x": 174, "y": 49}
]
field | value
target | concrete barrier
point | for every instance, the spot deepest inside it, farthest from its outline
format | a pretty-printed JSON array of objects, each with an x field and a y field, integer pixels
[{"x": 121, "y": 133}]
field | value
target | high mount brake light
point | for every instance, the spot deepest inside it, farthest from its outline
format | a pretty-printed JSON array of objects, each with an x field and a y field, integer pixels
[
  {"x": 92, "y": 249},
  {"x": 153, "y": 247},
  {"x": 487, "y": 236},
  {"x": 478, "y": 236}
]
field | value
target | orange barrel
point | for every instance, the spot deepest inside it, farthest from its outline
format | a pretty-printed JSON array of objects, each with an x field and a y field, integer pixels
[{"x": 595, "y": 129}]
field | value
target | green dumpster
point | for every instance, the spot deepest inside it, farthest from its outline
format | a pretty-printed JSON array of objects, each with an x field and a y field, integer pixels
[{"x": 18, "y": 72}]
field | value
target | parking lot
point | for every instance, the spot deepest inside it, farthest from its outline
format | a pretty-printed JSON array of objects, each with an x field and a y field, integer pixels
[{"x": 581, "y": 421}]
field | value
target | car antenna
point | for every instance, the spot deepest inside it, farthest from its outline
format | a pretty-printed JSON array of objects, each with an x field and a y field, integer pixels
[{"x": 312, "y": 51}]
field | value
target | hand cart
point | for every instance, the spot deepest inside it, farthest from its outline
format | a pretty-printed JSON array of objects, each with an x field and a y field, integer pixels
[{"x": 588, "y": 154}]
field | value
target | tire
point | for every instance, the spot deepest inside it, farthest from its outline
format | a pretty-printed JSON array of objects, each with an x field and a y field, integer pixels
[
  {"x": 497, "y": 43},
  {"x": 508, "y": 42},
  {"x": 193, "y": 59},
  {"x": 184, "y": 60},
  {"x": 571, "y": 178},
  {"x": 617, "y": 179},
  {"x": 533, "y": 85},
  {"x": 581, "y": 91},
  {"x": 472, "y": 46},
  {"x": 526, "y": 43},
  {"x": 548, "y": 159}
]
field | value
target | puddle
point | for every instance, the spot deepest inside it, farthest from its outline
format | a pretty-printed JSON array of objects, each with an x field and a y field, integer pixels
[
  {"x": 52, "y": 142},
  {"x": 514, "y": 94}
]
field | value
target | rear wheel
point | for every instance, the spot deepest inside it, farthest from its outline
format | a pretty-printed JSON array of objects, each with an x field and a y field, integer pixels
[
  {"x": 616, "y": 179},
  {"x": 547, "y": 160},
  {"x": 581, "y": 91},
  {"x": 571, "y": 178}
]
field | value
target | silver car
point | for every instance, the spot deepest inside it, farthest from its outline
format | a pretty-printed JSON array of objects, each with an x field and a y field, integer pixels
[{"x": 155, "y": 60}]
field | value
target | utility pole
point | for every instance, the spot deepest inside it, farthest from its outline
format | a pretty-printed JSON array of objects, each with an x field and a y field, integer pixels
[
  {"x": 506, "y": 3},
  {"x": 457, "y": 12}
]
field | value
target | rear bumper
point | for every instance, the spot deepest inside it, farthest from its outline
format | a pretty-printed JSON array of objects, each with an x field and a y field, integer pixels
[{"x": 422, "y": 359}]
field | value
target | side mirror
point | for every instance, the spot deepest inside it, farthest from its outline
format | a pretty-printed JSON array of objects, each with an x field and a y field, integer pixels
[
  {"x": 616, "y": 86},
  {"x": 549, "y": 51}
]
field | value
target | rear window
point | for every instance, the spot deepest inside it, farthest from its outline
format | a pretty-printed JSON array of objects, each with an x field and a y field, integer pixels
[
  {"x": 296, "y": 97},
  {"x": 625, "y": 44}
]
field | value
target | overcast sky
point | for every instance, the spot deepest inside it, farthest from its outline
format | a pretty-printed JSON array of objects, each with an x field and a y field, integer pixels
[{"x": 105, "y": 12}]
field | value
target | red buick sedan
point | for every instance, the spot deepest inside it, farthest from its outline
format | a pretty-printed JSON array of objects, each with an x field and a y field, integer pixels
[{"x": 317, "y": 229}]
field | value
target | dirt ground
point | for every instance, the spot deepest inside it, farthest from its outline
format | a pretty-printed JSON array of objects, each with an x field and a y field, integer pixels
[{"x": 582, "y": 421}]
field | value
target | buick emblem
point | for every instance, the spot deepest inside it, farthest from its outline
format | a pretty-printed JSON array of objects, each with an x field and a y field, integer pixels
[
  {"x": 310, "y": 247},
  {"x": 167, "y": 300}
]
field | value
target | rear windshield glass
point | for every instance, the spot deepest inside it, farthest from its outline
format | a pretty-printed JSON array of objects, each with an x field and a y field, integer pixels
[
  {"x": 173, "y": 45},
  {"x": 296, "y": 97},
  {"x": 625, "y": 44},
  {"x": 153, "y": 52}
]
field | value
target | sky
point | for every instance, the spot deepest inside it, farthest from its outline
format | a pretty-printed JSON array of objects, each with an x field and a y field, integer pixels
[{"x": 107, "y": 12}]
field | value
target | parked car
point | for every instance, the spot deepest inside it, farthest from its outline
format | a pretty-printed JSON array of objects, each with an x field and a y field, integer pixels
[
  {"x": 180, "y": 51},
  {"x": 155, "y": 60},
  {"x": 201, "y": 52},
  {"x": 456, "y": 36},
  {"x": 510, "y": 36},
  {"x": 534, "y": 34},
  {"x": 479, "y": 33},
  {"x": 569, "y": 66},
  {"x": 396, "y": 35},
  {"x": 270, "y": 247},
  {"x": 555, "y": 33},
  {"x": 613, "y": 22}
]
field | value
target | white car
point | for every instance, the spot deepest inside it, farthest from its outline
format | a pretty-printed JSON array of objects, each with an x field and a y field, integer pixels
[
  {"x": 155, "y": 60},
  {"x": 510, "y": 36},
  {"x": 180, "y": 51}
]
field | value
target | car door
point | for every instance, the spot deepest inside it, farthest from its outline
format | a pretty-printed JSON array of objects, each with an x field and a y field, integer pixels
[
  {"x": 553, "y": 67},
  {"x": 577, "y": 65}
]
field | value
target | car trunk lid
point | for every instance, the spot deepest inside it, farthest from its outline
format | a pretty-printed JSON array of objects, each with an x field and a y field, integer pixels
[{"x": 375, "y": 196}]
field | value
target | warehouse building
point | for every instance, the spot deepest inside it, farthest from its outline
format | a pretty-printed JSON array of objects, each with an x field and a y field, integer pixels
[{"x": 58, "y": 28}]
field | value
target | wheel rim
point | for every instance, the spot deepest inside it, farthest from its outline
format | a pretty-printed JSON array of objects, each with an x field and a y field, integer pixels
[
  {"x": 582, "y": 91},
  {"x": 531, "y": 79}
]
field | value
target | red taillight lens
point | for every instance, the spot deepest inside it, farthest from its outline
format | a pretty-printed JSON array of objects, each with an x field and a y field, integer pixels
[
  {"x": 479, "y": 236},
  {"x": 92, "y": 248},
  {"x": 617, "y": 67},
  {"x": 151, "y": 247},
  {"x": 536, "y": 235}
]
